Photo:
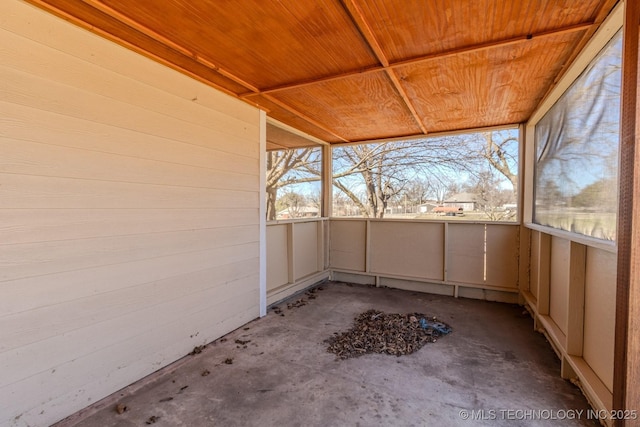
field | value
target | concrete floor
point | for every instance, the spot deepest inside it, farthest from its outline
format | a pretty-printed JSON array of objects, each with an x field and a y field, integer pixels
[{"x": 493, "y": 367}]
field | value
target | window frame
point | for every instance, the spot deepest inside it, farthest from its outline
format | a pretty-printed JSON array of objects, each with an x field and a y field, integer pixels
[{"x": 599, "y": 41}]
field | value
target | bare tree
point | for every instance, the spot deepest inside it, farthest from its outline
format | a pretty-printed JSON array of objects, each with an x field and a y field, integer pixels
[
  {"x": 418, "y": 191},
  {"x": 491, "y": 199},
  {"x": 501, "y": 155},
  {"x": 444, "y": 188},
  {"x": 315, "y": 199},
  {"x": 385, "y": 170},
  {"x": 287, "y": 167},
  {"x": 372, "y": 175},
  {"x": 292, "y": 202}
]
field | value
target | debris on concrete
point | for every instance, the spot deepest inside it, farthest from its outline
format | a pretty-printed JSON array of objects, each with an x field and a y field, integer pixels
[
  {"x": 228, "y": 361},
  {"x": 152, "y": 419},
  {"x": 205, "y": 373},
  {"x": 197, "y": 350},
  {"x": 165, "y": 399},
  {"x": 395, "y": 334},
  {"x": 242, "y": 343},
  {"x": 311, "y": 293},
  {"x": 297, "y": 304},
  {"x": 121, "y": 408}
]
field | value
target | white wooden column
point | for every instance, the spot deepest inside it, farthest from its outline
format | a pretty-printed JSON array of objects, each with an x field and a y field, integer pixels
[{"x": 263, "y": 213}]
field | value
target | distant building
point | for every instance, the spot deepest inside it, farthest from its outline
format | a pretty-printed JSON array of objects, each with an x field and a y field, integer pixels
[
  {"x": 466, "y": 201},
  {"x": 427, "y": 207},
  {"x": 301, "y": 212}
]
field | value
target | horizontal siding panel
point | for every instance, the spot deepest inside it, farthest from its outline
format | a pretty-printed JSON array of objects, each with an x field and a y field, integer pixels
[
  {"x": 26, "y": 158},
  {"x": 36, "y": 259},
  {"x": 135, "y": 354},
  {"x": 24, "y": 191},
  {"x": 42, "y": 225},
  {"x": 46, "y": 354},
  {"x": 140, "y": 367},
  {"x": 33, "y": 91},
  {"x": 30, "y": 124},
  {"x": 28, "y": 327},
  {"x": 33, "y": 58},
  {"x": 57, "y": 288}
]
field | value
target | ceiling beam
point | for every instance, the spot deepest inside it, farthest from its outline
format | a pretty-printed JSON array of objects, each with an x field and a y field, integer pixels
[
  {"x": 363, "y": 26},
  {"x": 495, "y": 44},
  {"x": 412, "y": 136},
  {"x": 396, "y": 83},
  {"x": 326, "y": 79},
  {"x": 98, "y": 5},
  {"x": 303, "y": 116},
  {"x": 67, "y": 16},
  {"x": 430, "y": 57}
]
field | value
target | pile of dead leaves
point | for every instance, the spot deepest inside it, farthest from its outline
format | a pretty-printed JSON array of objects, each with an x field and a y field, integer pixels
[{"x": 377, "y": 332}]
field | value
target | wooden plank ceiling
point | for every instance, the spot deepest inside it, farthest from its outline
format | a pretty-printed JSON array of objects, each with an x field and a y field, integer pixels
[{"x": 359, "y": 70}]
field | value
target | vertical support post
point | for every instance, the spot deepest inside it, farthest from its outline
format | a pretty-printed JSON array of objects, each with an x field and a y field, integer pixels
[
  {"x": 445, "y": 255},
  {"x": 524, "y": 237},
  {"x": 327, "y": 202},
  {"x": 626, "y": 375},
  {"x": 327, "y": 181},
  {"x": 521, "y": 172},
  {"x": 524, "y": 259},
  {"x": 566, "y": 371},
  {"x": 320, "y": 261},
  {"x": 575, "y": 310},
  {"x": 326, "y": 229},
  {"x": 262, "y": 213},
  {"x": 367, "y": 247},
  {"x": 544, "y": 274},
  {"x": 291, "y": 258},
  {"x": 527, "y": 169}
]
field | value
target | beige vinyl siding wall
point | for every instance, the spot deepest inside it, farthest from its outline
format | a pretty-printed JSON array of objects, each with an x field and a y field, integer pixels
[{"x": 129, "y": 216}]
